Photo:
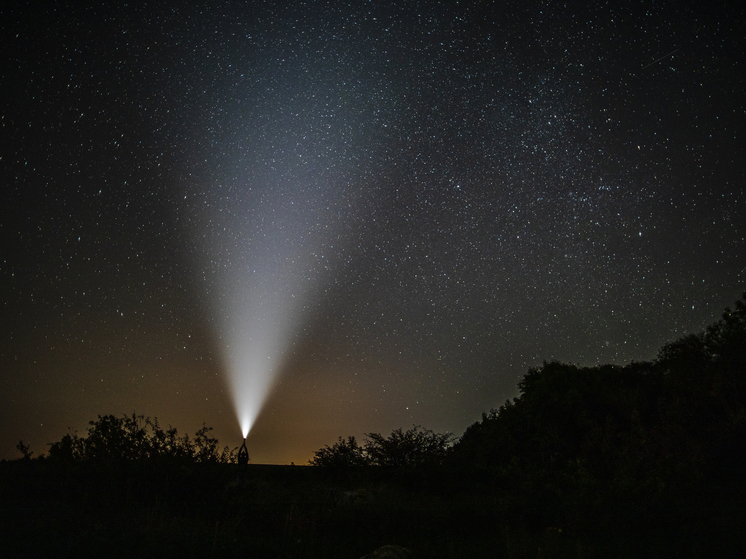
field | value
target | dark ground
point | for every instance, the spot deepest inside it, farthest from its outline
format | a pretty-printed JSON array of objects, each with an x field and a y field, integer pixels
[{"x": 169, "y": 509}]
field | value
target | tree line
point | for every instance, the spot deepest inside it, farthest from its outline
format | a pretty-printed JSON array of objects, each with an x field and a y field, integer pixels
[
  {"x": 593, "y": 433},
  {"x": 134, "y": 438},
  {"x": 647, "y": 426},
  {"x": 411, "y": 448}
]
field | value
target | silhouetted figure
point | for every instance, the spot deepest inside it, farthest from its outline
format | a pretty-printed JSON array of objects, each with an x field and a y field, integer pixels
[{"x": 243, "y": 455}]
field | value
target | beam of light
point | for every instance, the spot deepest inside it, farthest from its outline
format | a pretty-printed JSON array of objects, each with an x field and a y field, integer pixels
[
  {"x": 259, "y": 318},
  {"x": 268, "y": 210},
  {"x": 264, "y": 278},
  {"x": 265, "y": 252}
]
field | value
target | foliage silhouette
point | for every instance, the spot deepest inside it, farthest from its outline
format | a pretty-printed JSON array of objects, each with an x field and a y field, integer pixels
[
  {"x": 606, "y": 448},
  {"x": 343, "y": 453},
  {"x": 137, "y": 437},
  {"x": 25, "y": 450},
  {"x": 647, "y": 433},
  {"x": 414, "y": 447}
]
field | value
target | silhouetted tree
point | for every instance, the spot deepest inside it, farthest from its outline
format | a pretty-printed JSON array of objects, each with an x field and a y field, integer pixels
[
  {"x": 414, "y": 447},
  {"x": 136, "y": 437},
  {"x": 25, "y": 450},
  {"x": 650, "y": 432},
  {"x": 343, "y": 453}
]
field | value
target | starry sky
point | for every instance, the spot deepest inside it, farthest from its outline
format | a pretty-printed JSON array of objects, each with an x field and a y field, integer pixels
[{"x": 400, "y": 207}]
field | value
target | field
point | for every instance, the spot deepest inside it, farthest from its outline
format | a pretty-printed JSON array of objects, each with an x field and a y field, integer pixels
[{"x": 169, "y": 509}]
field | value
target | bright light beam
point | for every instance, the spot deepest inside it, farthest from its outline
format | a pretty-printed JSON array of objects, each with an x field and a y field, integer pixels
[
  {"x": 262, "y": 274},
  {"x": 270, "y": 199},
  {"x": 258, "y": 326}
]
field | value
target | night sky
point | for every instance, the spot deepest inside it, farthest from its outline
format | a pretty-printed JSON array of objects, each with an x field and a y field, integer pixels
[{"x": 380, "y": 216}]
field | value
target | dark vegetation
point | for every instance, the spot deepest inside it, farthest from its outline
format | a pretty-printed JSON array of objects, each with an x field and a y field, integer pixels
[
  {"x": 646, "y": 460},
  {"x": 404, "y": 449}
]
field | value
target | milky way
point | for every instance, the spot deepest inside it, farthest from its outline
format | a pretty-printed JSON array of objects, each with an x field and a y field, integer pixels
[{"x": 403, "y": 207}]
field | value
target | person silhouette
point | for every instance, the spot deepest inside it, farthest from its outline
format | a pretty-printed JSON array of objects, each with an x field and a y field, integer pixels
[{"x": 243, "y": 455}]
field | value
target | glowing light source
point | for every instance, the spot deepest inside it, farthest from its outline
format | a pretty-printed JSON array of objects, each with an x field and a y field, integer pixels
[
  {"x": 257, "y": 328},
  {"x": 263, "y": 277},
  {"x": 265, "y": 229}
]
